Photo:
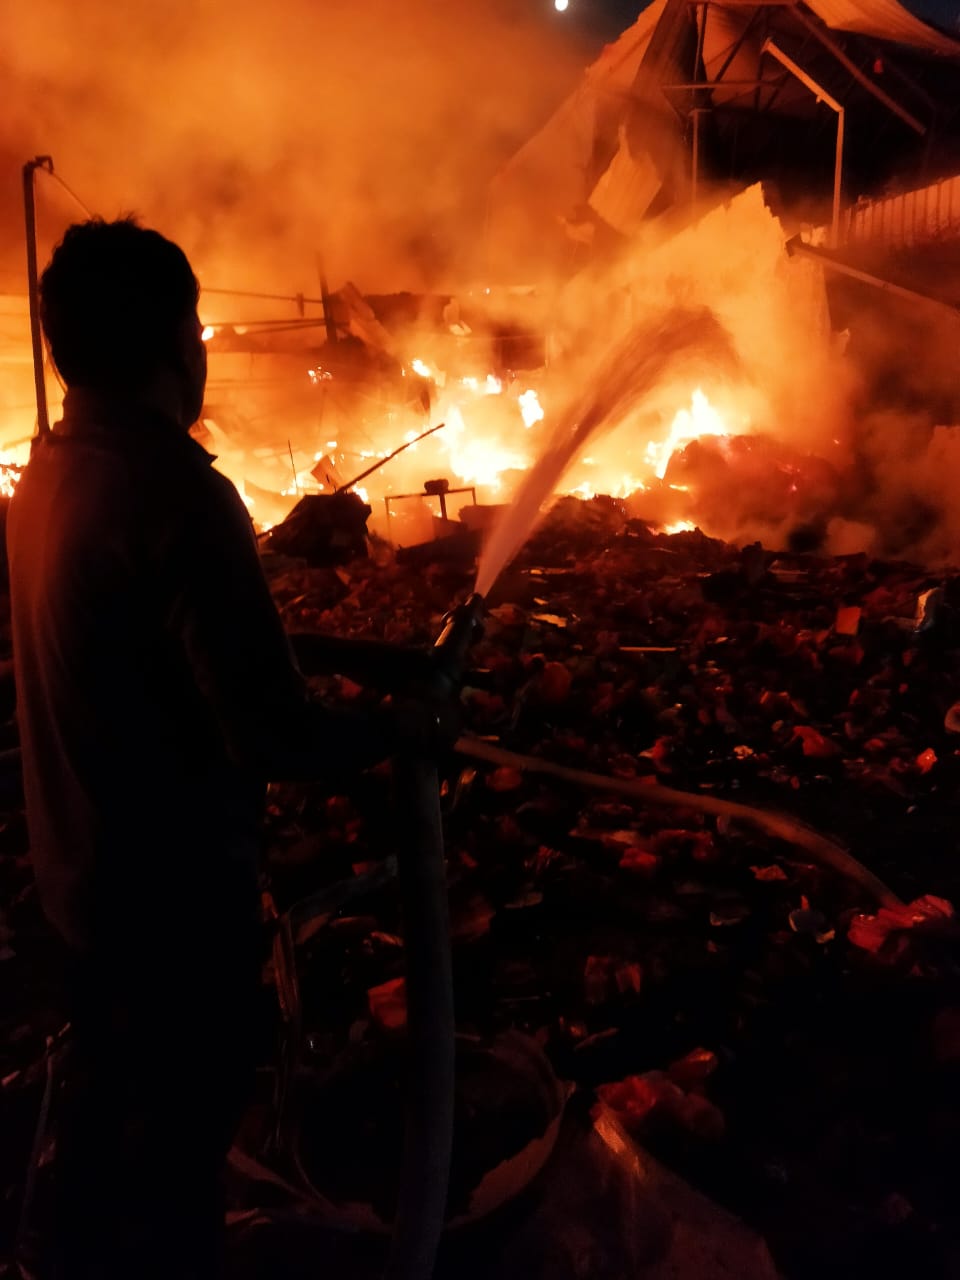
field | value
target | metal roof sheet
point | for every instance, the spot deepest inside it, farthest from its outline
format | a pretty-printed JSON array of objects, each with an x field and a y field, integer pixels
[{"x": 884, "y": 20}]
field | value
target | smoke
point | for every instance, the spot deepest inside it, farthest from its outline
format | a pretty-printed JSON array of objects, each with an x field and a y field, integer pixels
[
  {"x": 844, "y": 396},
  {"x": 263, "y": 135}
]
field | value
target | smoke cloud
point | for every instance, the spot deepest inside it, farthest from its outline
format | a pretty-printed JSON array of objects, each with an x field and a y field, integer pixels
[{"x": 263, "y": 135}]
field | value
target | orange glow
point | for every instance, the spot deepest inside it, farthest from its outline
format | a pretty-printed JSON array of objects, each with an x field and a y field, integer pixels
[
  {"x": 478, "y": 461},
  {"x": 530, "y": 408},
  {"x": 701, "y": 419},
  {"x": 9, "y": 477},
  {"x": 493, "y": 431}
]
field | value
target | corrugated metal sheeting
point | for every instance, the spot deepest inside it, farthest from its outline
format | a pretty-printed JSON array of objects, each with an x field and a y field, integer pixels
[
  {"x": 909, "y": 218},
  {"x": 884, "y": 20},
  {"x": 616, "y": 68}
]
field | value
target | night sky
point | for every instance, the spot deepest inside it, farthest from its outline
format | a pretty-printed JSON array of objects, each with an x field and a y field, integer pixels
[
  {"x": 943, "y": 13},
  {"x": 602, "y": 20}
]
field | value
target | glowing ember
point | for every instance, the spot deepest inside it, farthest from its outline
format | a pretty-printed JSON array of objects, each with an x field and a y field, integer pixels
[
  {"x": 421, "y": 367},
  {"x": 208, "y": 332},
  {"x": 701, "y": 419},
  {"x": 530, "y": 408},
  {"x": 679, "y": 526}
]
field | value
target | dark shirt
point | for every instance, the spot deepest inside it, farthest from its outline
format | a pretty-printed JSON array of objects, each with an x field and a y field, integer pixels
[{"x": 156, "y": 688}]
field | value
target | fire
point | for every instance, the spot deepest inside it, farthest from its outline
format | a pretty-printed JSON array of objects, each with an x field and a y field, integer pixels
[
  {"x": 490, "y": 386},
  {"x": 208, "y": 332},
  {"x": 491, "y": 428},
  {"x": 9, "y": 476},
  {"x": 701, "y": 419},
  {"x": 614, "y": 488},
  {"x": 477, "y": 461},
  {"x": 530, "y": 407}
]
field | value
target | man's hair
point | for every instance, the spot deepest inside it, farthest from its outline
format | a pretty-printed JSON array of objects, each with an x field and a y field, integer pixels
[{"x": 112, "y": 301}]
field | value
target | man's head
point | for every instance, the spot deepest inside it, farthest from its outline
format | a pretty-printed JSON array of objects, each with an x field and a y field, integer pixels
[{"x": 119, "y": 307}]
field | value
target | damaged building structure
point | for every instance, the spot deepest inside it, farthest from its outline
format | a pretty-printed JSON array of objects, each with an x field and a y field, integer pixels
[{"x": 846, "y": 110}]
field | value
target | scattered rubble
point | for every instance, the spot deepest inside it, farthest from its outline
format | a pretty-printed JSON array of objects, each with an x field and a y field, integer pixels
[{"x": 750, "y": 1015}]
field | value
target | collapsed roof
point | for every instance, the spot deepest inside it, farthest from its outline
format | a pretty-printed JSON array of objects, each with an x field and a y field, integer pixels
[{"x": 727, "y": 92}]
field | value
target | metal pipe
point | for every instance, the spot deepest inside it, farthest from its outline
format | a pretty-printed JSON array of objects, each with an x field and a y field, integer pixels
[
  {"x": 422, "y": 1204},
  {"x": 780, "y": 825},
  {"x": 328, "y": 319},
  {"x": 796, "y": 245},
  {"x": 269, "y": 297},
  {"x": 838, "y": 179},
  {"x": 380, "y": 462},
  {"x": 861, "y": 78},
  {"x": 691, "y": 85},
  {"x": 818, "y": 91},
  {"x": 696, "y": 113},
  {"x": 430, "y": 1025},
  {"x": 33, "y": 285}
]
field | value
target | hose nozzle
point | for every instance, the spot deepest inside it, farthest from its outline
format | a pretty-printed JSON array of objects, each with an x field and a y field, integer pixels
[{"x": 461, "y": 627}]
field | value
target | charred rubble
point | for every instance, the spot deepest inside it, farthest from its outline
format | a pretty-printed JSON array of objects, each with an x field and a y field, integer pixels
[{"x": 761, "y": 1023}]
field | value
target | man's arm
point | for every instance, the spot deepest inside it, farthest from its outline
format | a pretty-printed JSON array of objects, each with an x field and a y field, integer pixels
[{"x": 223, "y": 615}]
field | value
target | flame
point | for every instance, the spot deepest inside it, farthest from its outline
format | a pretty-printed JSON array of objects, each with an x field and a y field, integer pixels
[
  {"x": 701, "y": 419},
  {"x": 477, "y": 461},
  {"x": 490, "y": 386},
  {"x": 207, "y": 333},
  {"x": 9, "y": 478},
  {"x": 530, "y": 407},
  {"x": 483, "y": 440}
]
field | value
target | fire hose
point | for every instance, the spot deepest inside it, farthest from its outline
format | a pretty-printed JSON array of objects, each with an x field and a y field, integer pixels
[
  {"x": 430, "y": 1019},
  {"x": 430, "y": 677},
  {"x": 822, "y": 850}
]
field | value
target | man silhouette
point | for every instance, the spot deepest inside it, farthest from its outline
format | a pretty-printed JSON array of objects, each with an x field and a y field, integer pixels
[{"x": 156, "y": 694}]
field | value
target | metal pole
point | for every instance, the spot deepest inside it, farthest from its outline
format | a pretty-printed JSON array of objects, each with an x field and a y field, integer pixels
[
  {"x": 381, "y": 462},
  {"x": 328, "y": 318},
  {"x": 818, "y": 91},
  {"x": 430, "y": 1024},
  {"x": 696, "y": 113},
  {"x": 838, "y": 181},
  {"x": 796, "y": 245},
  {"x": 33, "y": 285}
]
